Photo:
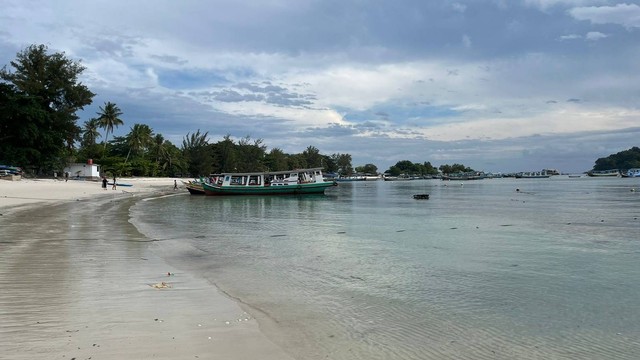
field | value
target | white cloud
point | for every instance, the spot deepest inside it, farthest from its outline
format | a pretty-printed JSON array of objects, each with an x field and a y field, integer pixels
[
  {"x": 627, "y": 15},
  {"x": 546, "y": 4},
  {"x": 595, "y": 36},
  {"x": 571, "y": 37},
  {"x": 566, "y": 119}
]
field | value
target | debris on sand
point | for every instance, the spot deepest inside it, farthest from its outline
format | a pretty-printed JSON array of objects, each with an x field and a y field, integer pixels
[{"x": 161, "y": 285}]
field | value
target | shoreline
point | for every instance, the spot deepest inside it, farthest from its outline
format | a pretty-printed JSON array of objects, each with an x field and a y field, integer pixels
[{"x": 78, "y": 282}]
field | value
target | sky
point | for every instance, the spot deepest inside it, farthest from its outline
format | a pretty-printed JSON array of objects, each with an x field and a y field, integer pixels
[{"x": 496, "y": 85}]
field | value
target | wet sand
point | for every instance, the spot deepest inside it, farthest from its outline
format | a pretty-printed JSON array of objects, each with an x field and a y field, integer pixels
[{"x": 77, "y": 282}]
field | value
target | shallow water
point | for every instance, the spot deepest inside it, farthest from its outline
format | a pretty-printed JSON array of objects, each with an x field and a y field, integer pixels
[{"x": 495, "y": 269}]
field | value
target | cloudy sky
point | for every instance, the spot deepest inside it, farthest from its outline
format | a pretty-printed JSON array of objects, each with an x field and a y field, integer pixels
[{"x": 497, "y": 85}]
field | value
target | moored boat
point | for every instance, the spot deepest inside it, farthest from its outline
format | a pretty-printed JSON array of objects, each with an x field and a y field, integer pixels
[
  {"x": 635, "y": 172},
  {"x": 476, "y": 175},
  {"x": 397, "y": 178},
  {"x": 533, "y": 175},
  {"x": 605, "y": 173},
  {"x": 292, "y": 182}
]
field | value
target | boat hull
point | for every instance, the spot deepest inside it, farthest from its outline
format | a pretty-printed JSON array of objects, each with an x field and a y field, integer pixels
[
  {"x": 291, "y": 189},
  {"x": 195, "y": 189}
]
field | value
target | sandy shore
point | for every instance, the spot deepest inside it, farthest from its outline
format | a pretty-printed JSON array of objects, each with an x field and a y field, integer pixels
[
  {"x": 27, "y": 192},
  {"x": 79, "y": 282}
]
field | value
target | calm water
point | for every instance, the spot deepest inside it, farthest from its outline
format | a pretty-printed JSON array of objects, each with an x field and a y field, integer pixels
[{"x": 479, "y": 271}]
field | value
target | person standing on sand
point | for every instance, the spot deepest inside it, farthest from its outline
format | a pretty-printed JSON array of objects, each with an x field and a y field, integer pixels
[
  {"x": 114, "y": 183},
  {"x": 104, "y": 183},
  {"x": 66, "y": 176},
  {"x": 175, "y": 184}
]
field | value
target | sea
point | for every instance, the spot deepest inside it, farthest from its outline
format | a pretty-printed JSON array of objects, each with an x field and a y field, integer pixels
[{"x": 486, "y": 269}]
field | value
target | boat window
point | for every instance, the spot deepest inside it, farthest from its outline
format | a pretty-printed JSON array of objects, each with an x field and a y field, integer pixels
[
  {"x": 238, "y": 180},
  {"x": 254, "y": 180}
]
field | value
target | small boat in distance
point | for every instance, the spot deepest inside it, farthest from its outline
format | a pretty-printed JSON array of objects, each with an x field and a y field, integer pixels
[
  {"x": 605, "y": 173},
  {"x": 397, "y": 178},
  {"x": 635, "y": 172},
  {"x": 533, "y": 175},
  {"x": 477, "y": 175},
  {"x": 291, "y": 182}
]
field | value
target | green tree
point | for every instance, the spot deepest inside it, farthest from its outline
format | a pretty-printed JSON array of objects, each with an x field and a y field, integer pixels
[
  {"x": 343, "y": 162},
  {"x": 90, "y": 132},
  {"x": 455, "y": 168},
  {"x": 225, "y": 155},
  {"x": 41, "y": 95},
  {"x": 161, "y": 154},
  {"x": 367, "y": 169},
  {"x": 197, "y": 154},
  {"x": 329, "y": 163},
  {"x": 139, "y": 139},
  {"x": 312, "y": 157},
  {"x": 276, "y": 160},
  {"x": 108, "y": 118},
  {"x": 89, "y": 135},
  {"x": 251, "y": 155}
]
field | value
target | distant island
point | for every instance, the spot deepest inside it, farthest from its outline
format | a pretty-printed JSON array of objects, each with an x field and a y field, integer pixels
[{"x": 623, "y": 160}]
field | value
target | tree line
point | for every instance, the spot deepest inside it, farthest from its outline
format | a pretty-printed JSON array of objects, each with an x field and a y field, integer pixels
[{"x": 39, "y": 131}]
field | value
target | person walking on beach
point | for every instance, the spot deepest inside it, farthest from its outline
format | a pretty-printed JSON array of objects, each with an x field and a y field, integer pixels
[
  {"x": 104, "y": 183},
  {"x": 175, "y": 184},
  {"x": 114, "y": 183},
  {"x": 66, "y": 176}
]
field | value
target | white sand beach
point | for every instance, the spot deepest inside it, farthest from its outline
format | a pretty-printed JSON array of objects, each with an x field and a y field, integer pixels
[{"x": 79, "y": 282}]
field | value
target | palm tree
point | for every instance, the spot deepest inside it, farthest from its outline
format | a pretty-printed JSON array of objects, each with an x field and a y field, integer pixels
[
  {"x": 108, "y": 119},
  {"x": 160, "y": 150},
  {"x": 140, "y": 137},
  {"x": 90, "y": 132}
]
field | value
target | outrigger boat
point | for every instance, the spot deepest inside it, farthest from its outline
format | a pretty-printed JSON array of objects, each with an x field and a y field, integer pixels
[{"x": 292, "y": 182}]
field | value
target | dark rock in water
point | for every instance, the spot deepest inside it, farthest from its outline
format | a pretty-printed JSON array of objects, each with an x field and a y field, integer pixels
[{"x": 421, "y": 196}]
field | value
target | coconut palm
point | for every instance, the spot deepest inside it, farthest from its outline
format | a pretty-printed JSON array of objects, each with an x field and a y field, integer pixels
[
  {"x": 159, "y": 149},
  {"x": 108, "y": 119},
  {"x": 90, "y": 132},
  {"x": 140, "y": 138}
]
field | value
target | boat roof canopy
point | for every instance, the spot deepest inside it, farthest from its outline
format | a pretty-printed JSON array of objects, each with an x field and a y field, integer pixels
[{"x": 270, "y": 172}]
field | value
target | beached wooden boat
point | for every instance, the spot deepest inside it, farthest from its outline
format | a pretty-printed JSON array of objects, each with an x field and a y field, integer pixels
[
  {"x": 292, "y": 182},
  {"x": 194, "y": 187}
]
